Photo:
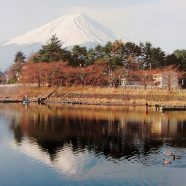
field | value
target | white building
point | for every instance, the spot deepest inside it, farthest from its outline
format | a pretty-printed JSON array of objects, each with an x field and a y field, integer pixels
[
  {"x": 130, "y": 82},
  {"x": 166, "y": 79}
]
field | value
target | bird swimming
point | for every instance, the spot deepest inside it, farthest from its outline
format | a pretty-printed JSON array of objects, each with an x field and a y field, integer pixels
[
  {"x": 176, "y": 157},
  {"x": 165, "y": 162},
  {"x": 173, "y": 155},
  {"x": 169, "y": 153}
]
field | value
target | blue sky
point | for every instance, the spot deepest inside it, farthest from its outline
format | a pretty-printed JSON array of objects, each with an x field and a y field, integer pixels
[{"x": 163, "y": 22}]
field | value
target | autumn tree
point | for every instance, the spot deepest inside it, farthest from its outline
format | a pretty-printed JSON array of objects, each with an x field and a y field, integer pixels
[
  {"x": 97, "y": 74},
  {"x": 102, "y": 65},
  {"x": 171, "y": 76},
  {"x": 144, "y": 76}
]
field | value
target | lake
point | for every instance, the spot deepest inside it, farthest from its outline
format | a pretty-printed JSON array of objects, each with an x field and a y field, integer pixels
[{"x": 90, "y": 145}]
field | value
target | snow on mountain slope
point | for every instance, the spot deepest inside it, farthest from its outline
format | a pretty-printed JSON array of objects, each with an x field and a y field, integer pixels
[{"x": 73, "y": 29}]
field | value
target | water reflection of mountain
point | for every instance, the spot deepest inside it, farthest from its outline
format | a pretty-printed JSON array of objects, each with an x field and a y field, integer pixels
[{"x": 115, "y": 133}]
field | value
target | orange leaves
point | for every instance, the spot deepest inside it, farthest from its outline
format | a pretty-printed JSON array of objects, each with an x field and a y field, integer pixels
[
  {"x": 60, "y": 73},
  {"x": 97, "y": 74}
]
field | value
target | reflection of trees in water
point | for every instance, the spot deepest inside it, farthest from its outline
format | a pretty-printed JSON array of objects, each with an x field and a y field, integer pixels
[
  {"x": 113, "y": 138},
  {"x": 180, "y": 139},
  {"x": 181, "y": 128},
  {"x": 18, "y": 133},
  {"x": 114, "y": 134}
]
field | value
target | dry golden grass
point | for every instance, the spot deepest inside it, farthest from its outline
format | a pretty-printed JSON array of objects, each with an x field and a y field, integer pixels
[{"x": 98, "y": 95}]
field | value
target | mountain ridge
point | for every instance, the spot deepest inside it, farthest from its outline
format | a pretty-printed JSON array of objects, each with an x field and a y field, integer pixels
[
  {"x": 71, "y": 29},
  {"x": 78, "y": 29}
]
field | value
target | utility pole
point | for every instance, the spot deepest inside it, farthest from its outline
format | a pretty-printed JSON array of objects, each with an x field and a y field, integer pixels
[{"x": 110, "y": 77}]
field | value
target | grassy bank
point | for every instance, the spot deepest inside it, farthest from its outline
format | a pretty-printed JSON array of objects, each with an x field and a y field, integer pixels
[{"x": 97, "y": 95}]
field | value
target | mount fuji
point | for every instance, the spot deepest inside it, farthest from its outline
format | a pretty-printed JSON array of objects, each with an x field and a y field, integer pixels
[{"x": 72, "y": 29}]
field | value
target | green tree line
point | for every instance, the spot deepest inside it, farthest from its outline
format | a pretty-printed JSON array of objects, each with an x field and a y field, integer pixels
[{"x": 116, "y": 54}]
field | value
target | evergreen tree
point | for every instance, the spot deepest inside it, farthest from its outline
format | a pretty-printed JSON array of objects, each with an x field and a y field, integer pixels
[
  {"x": 15, "y": 69},
  {"x": 131, "y": 55},
  {"x": 1, "y": 77},
  {"x": 172, "y": 60},
  {"x": 117, "y": 57},
  {"x": 181, "y": 57},
  {"x": 157, "y": 58},
  {"x": 99, "y": 52},
  {"x": 132, "y": 50},
  {"x": 19, "y": 57},
  {"x": 52, "y": 51},
  {"x": 152, "y": 57},
  {"x": 180, "y": 53},
  {"x": 79, "y": 55}
]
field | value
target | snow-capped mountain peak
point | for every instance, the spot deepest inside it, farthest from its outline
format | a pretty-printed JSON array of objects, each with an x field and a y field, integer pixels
[{"x": 72, "y": 29}]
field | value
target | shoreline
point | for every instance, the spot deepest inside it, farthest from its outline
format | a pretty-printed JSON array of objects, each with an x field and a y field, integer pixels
[{"x": 94, "y": 96}]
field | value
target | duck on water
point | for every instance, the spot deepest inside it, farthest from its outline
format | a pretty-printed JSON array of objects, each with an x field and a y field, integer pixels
[
  {"x": 165, "y": 162},
  {"x": 174, "y": 157}
]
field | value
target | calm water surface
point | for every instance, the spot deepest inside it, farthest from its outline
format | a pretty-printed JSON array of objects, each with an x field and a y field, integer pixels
[{"x": 90, "y": 145}]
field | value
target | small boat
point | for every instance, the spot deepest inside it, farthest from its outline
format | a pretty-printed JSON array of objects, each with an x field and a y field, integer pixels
[{"x": 25, "y": 101}]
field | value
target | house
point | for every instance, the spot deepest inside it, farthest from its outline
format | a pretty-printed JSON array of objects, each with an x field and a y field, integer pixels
[
  {"x": 130, "y": 82},
  {"x": 166, "y": 79},
  {"x": 153, "y": 79}
]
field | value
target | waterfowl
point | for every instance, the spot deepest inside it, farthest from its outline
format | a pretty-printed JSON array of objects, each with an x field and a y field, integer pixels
[
  {"x": 176, "y": 157},
  {"x": 169, "y": 154},
  {"x": 165, "y": 162}
]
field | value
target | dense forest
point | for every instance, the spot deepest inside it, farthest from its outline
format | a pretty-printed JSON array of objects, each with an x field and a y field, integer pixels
[{"x": 101, "y": 65}]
